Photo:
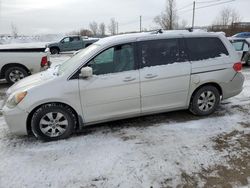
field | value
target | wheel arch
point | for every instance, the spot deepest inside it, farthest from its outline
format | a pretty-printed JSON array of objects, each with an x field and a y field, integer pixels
[
  {"x": 6, "y": 66},
  {"x": 79, "y": 120},
  {"x": 216, "y": 85}
]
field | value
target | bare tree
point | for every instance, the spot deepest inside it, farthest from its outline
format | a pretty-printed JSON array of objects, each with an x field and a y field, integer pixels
[
  {"x": 227, "y": 16},
  {"x": 14, "y": 30},
  {"x": 102, "y": 29},
  {"x": 235, "y": 17},
  {"x": 85, "y": 32},
  {"x": 112, "y": 26},
  {"x": 183, "y": 24},
  {"x": 168, "y": 19},
  {"x": 93, "y": 27}
]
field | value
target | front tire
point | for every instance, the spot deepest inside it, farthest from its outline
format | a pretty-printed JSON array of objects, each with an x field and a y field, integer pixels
[
  {"x": 205, "y": 101},
  {"x": 14, "y": 74},
  {"x": 53, "y": 122}
]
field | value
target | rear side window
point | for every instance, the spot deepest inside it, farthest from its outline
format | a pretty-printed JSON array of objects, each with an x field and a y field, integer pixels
[
  {"x": 205, "y": 48},
  {"x": 160, "y": 52}
]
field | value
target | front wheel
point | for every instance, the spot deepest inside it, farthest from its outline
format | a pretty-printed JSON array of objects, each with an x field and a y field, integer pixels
[
  {"x": 53, "y": 122},
  {"x": 14, "y": 74},
  {"x": 205, "y": 101}
]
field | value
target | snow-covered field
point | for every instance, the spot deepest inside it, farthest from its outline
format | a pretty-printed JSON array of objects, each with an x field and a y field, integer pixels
[{"x": 173, "y": 149}]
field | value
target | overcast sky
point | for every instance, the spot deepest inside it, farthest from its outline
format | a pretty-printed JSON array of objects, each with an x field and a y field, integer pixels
[{"x": 62, "y": 16}]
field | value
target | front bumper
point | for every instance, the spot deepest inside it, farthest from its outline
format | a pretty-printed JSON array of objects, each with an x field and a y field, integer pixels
[{"x": 16, "y": 120}]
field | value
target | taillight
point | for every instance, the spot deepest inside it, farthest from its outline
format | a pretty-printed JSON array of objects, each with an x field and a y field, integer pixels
[
  {"x": 237, "y": 67},
  {"x": 44, "y": 61}
]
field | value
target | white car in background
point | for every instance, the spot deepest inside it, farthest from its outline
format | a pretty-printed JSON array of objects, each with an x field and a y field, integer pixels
[
  {"x": 21, "y": 60},
  {"x": 126, "y": 76},
  {"x": 242, "y": 46}
]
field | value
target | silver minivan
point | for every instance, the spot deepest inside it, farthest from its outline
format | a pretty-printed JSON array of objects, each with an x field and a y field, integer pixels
[{"x": 126, "y": 76}]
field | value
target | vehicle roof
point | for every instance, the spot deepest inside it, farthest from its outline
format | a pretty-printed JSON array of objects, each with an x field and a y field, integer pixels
[
  {"x": 243, "y": 33},
  {"x": 239, "y": 39},
  {"x": 154, "y": 35}
]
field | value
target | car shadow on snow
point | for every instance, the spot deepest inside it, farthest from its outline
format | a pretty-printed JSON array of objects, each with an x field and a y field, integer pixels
[{"x": 144, "y": 122}]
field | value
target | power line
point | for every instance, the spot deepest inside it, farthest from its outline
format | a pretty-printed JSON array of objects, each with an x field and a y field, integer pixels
[
  {"x": 207, "y": 6},
  {"x": 214, "y": 4},
  {"x": 203, "y": 2},
  {"x": 184, "y": 7}
]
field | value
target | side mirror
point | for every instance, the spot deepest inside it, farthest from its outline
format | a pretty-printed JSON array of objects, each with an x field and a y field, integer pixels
[{"x": 86, "y": 72}]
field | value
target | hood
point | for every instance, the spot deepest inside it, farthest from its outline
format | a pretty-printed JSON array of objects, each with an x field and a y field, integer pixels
[{"x": 32, "y": 81}]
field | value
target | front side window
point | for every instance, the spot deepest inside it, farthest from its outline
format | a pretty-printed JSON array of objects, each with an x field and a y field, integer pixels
[
  {"x": 116, "y": 59},
  {"x": 245, "y": 47},
  {"x": 205, "y": 48},
  {"x": 160, "y": 52},
  {"x": 67, "y": 39}
]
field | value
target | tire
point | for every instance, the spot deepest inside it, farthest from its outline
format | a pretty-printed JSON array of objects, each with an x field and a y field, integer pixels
[
  {"x": 248, "y": 62},
  {"x": 53, "y": 122},
  {"x": 14, "y": 74},
  {"x": 54, "y": 51},
  {"x": 205, "y": 101}
]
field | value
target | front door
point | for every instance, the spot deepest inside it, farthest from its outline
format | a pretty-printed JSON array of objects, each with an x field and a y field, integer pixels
[
  {"x": 65, "y": 44},
  {"x": 113, "y": 91},
  {"x": 164, "y": 74},
  {"x": 76, "y": 43}
]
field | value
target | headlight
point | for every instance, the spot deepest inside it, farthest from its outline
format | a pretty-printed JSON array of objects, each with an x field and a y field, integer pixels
[{"x": 15, "y": 99}]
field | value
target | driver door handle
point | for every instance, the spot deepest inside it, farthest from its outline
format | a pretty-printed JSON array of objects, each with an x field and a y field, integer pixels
[
  {"x": 128, "y": 79},
  {"x": 149, "y": 76}
]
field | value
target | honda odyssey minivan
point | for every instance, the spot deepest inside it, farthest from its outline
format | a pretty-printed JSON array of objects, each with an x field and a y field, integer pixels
[{"x": 126, "y": 76}]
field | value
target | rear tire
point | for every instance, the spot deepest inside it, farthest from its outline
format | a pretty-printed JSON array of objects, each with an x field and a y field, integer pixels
[
  {"x": 205, "y": 101},
  {"x": 54, "y": 51},
  {"x": 53, "y": 122},
  {"x": 14, "y": 74}
]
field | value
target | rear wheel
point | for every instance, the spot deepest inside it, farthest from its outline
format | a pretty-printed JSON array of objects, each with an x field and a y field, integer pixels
[
  {"x": 205, "y": 101},
  {"x": 14, "y": 74},
  {"x": 53, "y": 122},
  {"x": 54, "y": 51}
]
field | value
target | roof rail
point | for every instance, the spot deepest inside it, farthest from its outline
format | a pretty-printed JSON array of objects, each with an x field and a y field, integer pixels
[
  {"x": 190, "y": 29},
  {"x": 159, "y": 31}
]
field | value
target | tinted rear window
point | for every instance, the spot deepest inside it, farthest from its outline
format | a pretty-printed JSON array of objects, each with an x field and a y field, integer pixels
[
  {"x": 161, "y": 52},
  {"x": 205, "y": 48}
]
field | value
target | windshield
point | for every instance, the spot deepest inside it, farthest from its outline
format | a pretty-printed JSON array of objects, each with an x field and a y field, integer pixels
[{"x": 72, "y": 62}]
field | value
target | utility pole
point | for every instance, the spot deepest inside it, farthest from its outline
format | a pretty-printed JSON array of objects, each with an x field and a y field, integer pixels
[
  {"x": 140, "y": 23},
  {"x": 193, "y": 15}
]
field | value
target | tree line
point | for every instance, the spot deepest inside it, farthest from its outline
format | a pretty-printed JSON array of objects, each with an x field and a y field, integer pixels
[{"x": 98, "y": 29}]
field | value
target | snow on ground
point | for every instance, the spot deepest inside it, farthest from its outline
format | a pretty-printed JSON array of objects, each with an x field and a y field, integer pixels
[{"x": 153, "y": 151}]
